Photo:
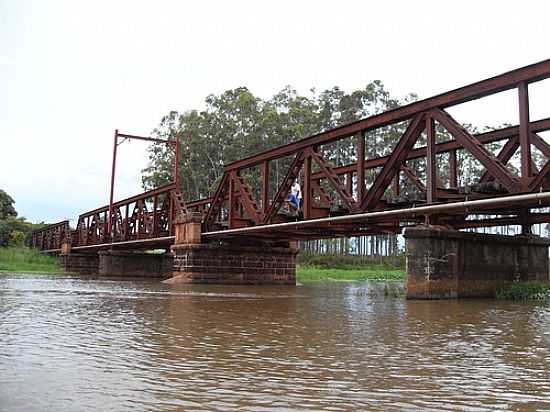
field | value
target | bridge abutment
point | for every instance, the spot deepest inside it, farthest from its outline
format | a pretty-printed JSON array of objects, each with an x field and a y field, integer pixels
[{"x": 443, "y": 263}]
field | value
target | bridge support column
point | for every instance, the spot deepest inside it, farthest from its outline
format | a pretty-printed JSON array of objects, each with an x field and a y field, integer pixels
[
  {"x": 229, "y": 263},
  {"x": 81, "y": 263},
  {"x": 131, "y": 264},
  {"x": 443, "y": 263},
  {"x": 226, "y": 263}
]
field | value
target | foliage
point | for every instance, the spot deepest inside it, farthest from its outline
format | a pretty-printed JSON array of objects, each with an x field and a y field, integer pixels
[
  {"x": 14, "y": 231},
  {"x": 23, "y": 259},
  {"x": 313, "y": 273},
  {"x": 525, "y": 291},
  {"x": 6, "y": 206}
]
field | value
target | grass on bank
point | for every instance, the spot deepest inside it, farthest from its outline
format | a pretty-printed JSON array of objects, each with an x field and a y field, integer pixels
[
  {"x": 531, "y": 290},
  {"x": 314, "y": 273},
  {"x": 23, "y": 259},
  {"x": 313, "y": 267}
]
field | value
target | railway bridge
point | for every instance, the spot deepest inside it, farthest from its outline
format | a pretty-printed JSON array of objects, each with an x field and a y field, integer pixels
[{"x": 244, "y": 235}]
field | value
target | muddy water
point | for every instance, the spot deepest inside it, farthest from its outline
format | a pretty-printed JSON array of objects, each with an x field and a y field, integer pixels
[{"x": 68, "y": 344}]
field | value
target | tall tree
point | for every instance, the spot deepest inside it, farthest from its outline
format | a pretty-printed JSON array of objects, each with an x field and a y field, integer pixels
[{"x": 6, "y": 206}]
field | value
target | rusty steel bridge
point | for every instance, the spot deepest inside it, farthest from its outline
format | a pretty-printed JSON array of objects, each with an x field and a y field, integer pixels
[{"x": 336, "y": 198}]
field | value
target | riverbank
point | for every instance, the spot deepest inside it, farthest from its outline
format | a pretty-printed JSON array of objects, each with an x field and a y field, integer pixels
[
  {"x": 23, "y": 259},
  {"x": 316, "y": 274}
]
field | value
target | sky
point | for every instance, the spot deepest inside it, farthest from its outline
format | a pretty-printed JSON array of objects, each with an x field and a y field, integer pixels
[{"x": 71, "y": 72}]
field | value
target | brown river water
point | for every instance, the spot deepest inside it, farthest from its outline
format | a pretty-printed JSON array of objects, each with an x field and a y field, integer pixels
[{"x": 72, "y": 344}]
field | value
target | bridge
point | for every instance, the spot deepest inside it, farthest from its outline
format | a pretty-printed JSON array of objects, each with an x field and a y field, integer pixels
[{"x": 245, "y": 220}]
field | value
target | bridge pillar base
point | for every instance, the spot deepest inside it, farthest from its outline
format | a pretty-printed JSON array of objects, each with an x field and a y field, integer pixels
[
  {"x": 234, "y": 264},
  {"x": 120, "y": 263},
  {"x": 444, "y": 264},
  {"x": 81, "y": 263}
]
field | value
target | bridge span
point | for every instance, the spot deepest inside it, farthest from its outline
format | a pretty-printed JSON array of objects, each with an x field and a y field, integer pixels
[{"x": 244, "y": 234}]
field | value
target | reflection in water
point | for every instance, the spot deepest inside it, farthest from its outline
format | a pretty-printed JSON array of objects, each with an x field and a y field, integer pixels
[{"x": 68, "y": 344}]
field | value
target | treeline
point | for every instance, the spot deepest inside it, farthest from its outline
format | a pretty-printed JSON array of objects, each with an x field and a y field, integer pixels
[{"x": 236, "y": 124}]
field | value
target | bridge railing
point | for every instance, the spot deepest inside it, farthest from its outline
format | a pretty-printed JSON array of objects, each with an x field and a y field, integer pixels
[
  {"x": 51, "y": 237},
  {"x": 375, "y": 183},
  {"x": 145, "y": 216}
]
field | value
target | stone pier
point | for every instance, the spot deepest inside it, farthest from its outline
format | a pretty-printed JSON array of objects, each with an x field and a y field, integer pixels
[
  {"x": 123, "y": 263},
  {"x": 229, "y": 263},
  {"x": 443, "y": 263},
  {"x": 82, "y": 263}
]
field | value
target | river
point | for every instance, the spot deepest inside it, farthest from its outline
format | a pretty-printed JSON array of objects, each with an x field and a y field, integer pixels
[{"x": 73, "y": 344}]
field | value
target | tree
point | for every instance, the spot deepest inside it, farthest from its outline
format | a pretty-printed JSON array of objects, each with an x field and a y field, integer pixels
[{"x": 6, "y": 206}]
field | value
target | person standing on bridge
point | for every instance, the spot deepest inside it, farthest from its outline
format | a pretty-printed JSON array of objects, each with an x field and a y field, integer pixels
[{"x": 295, "y": 196}]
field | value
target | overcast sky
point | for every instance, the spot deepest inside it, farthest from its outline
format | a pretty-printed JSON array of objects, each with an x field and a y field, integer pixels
[{"x": 73, "y": 71}]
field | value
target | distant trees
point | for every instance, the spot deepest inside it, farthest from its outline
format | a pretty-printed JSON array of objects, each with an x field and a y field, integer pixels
[{"x": 14, "y": 231}]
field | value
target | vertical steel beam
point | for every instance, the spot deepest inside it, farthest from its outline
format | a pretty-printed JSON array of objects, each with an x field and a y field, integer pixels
[
  {"x": 177, "y": 164},
  {"x": 155, "y": 215},
  {"x": 360, "y": 166},
  {"x": 232, "y": 210},
  {"x": 431, "y": 168},
  {"x": 265, "y": 187},
  {"x": 524, "y": 134},
  {"x": 453, "y": 171},
  {"x": 308, "y": 193},
  {"x": 127, "y": 223},
  {"x": 115, "y": 144}
]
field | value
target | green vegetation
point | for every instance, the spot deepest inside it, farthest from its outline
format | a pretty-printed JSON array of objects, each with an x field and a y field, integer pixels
[
  {"x": 525, "y": 291},
  {"x": 314, "y": 273},
  {"x": 14, "y": 231},
  {"x": 313, "y": 267},
  {"x": 338, "y": 261},
  {"x": 23, "y": 259}
]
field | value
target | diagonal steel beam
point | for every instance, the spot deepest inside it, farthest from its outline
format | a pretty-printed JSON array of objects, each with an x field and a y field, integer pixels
[
  {"x": 333, "y": 179},
  {"x": 215, "y": 206},
  {"x": 470, "y": 143},
  {"x": 323, "y": 197},
  {"x": 540, "y": 144},
  {"x": 413, "y": 178},
  {"x": 505, "y": 154},
  {"x": 246, "y": 198},
  {"x": 538, "y": 180},
  {"x": 394, "y": 162}
]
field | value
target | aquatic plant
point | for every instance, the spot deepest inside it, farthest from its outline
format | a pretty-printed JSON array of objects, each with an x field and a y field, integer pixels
[{"x": 531, "y": 290}]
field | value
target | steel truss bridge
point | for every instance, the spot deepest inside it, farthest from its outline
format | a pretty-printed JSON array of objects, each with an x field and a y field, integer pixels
[{"x": 374, "y": 195}]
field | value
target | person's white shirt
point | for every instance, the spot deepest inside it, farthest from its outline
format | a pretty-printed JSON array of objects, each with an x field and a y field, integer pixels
[{"x": 296, "y": 190}]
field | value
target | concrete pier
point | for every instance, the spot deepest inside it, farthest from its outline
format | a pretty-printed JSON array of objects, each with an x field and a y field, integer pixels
[{"x": 444, "y": 263}]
